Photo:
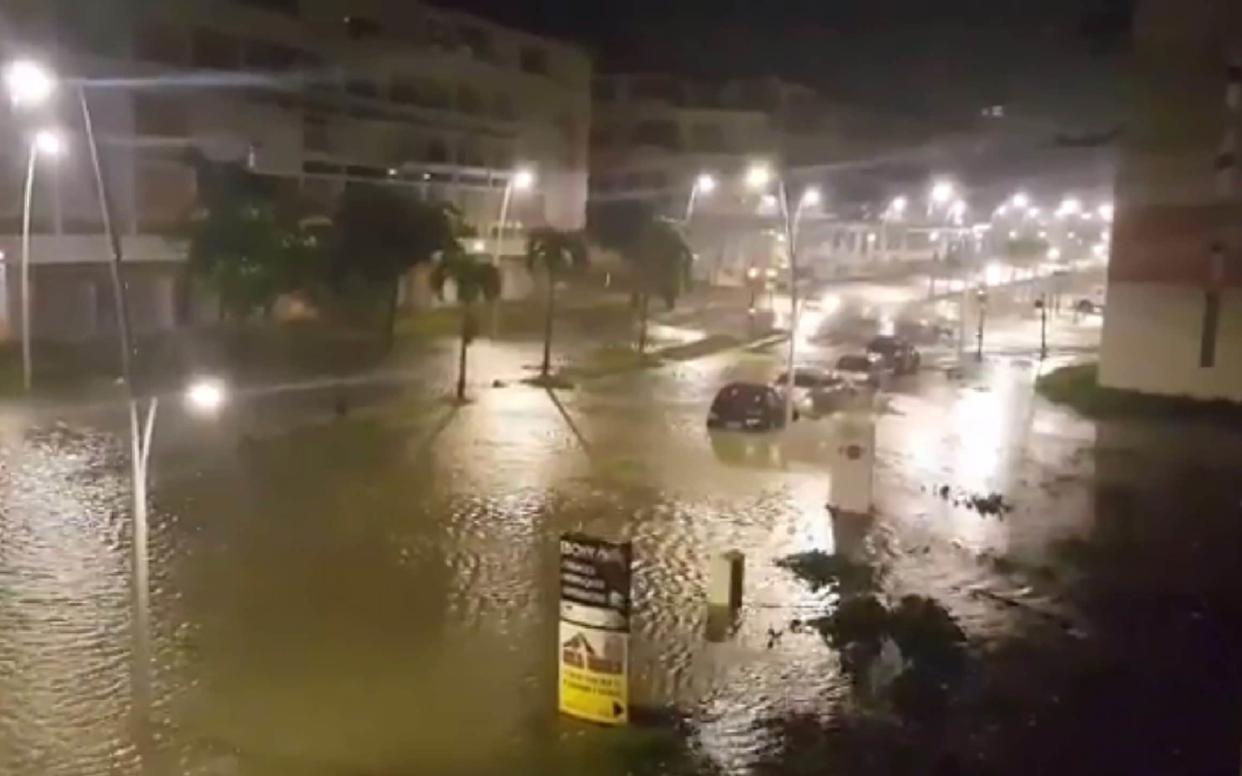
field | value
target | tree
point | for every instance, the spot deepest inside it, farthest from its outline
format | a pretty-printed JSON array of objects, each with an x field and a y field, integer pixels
[
  {"x": 242, "y": 243},
  {"x": 554, "y": 252},
  {"x": 378, "y": 234},
  {"x": 661, "y": 262},
  {"x": 473, "y": 278}
]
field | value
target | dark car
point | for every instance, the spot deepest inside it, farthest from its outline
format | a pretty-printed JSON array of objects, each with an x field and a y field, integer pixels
[
  {"x": 862, "y": 369},
  {"x": 897, "y": 354},
  {"x": 747, "y": 407}
]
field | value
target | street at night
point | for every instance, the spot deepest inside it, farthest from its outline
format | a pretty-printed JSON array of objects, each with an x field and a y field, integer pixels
[{"x": 531, "y": 387}]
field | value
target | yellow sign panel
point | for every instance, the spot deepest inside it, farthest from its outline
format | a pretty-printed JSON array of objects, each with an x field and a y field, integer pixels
[{"x": 594, "y": 668}]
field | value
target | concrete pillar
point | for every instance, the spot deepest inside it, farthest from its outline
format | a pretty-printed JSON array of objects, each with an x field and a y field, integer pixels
[
  {"x": 853, "y": 464},
  {"x": 724, "y": 580}
]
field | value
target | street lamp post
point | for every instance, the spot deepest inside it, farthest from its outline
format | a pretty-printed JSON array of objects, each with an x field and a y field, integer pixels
[
  {"x": 30, "y": 84},
  {"x": 981, "y": 296},
  {"x": 522, "y": 179},
  {"x": 48, "y": 143},
  {"x": 704, "y": 185},
  {"x": 1042, "y": 305},
  {"x": 758, "y": 178}
]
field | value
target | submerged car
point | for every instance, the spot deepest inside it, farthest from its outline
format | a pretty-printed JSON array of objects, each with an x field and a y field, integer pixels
[
  {"x": 817, "y": 391},
  {"x": 896, "y": 353},
  {"x": 747, "y": 407},
  {"x": 862, "y": 369}
]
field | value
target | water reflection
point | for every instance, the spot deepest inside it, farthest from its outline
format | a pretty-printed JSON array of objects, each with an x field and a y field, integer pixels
[{"x": 64, "y": 606}]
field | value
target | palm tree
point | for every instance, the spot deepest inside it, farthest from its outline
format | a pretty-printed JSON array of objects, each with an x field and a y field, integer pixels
[
  {"x": 555, "y": 252},
  {"x": 662, "y": 267},
  {"x": 473, "y": 278}
]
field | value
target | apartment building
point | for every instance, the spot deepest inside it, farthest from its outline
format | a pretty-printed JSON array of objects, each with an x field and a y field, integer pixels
[
  {"x": 319, "y": 94},
  {"x": 1174, "y": 315}
]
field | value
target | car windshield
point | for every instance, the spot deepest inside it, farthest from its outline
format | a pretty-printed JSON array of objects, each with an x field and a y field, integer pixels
[
  {"x": 736, "y": 397},
  {"x": 883, "y": 345}
]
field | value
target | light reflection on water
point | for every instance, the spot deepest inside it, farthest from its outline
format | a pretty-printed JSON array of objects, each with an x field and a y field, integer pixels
[{"x": 374, "y": 597}]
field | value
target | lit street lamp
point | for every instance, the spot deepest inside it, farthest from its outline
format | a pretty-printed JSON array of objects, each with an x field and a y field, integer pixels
[
  {"x": 758, "y": 177},
  {"x": 1021, "y": 200},
  {"x": 942, "y": 192},
  {"x": 897, "y": 208},
  {"x": 45, "y": 143},
  {"x": 30, "y": 84},
  {"x": 522, "y": 179},
  {"x": 704, "y": 185}
]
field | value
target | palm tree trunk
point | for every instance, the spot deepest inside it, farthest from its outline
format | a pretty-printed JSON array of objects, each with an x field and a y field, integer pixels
[
  {"x": 643, "y": 307},
  {"x": 547, "y": 325},
  {"x": 461, "y": 360}
]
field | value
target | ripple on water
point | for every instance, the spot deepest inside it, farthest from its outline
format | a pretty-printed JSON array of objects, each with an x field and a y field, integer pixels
[{"x": 64, "y": 605}]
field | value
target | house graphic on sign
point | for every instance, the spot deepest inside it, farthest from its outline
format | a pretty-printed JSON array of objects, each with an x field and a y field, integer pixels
[{"x": 578, "y": 652}]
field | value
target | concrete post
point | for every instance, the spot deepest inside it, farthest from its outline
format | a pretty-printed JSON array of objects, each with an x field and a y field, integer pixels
[
  {"x": 724, "y": 580},
  {"x": 853, "y": 466}
]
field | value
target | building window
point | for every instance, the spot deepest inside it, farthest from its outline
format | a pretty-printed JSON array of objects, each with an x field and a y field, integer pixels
[
  {"x": 315, "y": 136},
  {"x": 502, "y": 107},
  {"x": 468, "y": 100},
  {"x": 286, "y": 7},
  {"x": 468, "y": 154},
  {"x": 160, "y": 43},
  {"x": 165, "y": 193},
  {"x": 534, "y": 60},
  {"x": 708, "y": 137},
  {"x": 362, "y": 87},
  {"x": 477, "y": 40},
  {"x": 661, "y": 134},
  {"x": 437, "y": 152},
  {"x": 360, "y": 27},
  {"x": 604, "y": 90},
  {"x": 213, "y": 50},
  {"x": 270, "y": 56},
  {"x": 158, "y": 115},
  {"x": 654, "y": 88}
]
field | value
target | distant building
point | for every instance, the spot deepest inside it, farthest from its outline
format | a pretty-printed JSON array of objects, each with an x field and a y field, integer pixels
[
  {"x": 1173, "y": 323},
  {"x": 319, "y": 94}
]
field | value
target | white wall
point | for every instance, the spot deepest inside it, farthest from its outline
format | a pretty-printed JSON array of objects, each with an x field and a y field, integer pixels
[{"x": 1151, "y": 341}]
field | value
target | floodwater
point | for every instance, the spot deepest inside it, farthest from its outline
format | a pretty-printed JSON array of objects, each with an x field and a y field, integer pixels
[{"x": 376, "y": 593}]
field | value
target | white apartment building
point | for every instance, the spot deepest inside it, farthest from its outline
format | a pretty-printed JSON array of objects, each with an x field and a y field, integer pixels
[{"x": 318, "y": 94}]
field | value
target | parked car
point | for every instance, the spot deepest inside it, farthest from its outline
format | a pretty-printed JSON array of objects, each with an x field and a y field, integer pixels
[
  {"x": 859, "y": 369},
  {"x": 925, "y": 332},
  {"x": 817, "y": 391},
  {"x": 897, "y": 354},
  {"x": 747, "y": 407},
  {"x": 1088, "y": 307}
]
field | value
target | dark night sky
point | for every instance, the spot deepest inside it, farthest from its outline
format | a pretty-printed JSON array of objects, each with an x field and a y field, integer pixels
[{"x": 935, "y": 59}]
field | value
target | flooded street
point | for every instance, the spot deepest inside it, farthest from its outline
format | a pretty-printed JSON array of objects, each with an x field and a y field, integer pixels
[{"x": 376, "y": 593}]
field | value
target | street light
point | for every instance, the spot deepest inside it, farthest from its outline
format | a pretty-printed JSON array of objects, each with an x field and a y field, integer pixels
[
  {"x": 1106, "y": 211},
  {"x": 758, "y": 176},
  {"x": 942, "y": 192},
  {"x": 1021, "y": 200},
  {"x": 1070, "y": 206},
  {"x": 205, "y": 396},
  {"x": 28, "y": 83},
  {"x": 46, "y": 142},
  {"x": 898, "y": 206},
  {"x": 704, "y": 185},
  {"x": 522, "y": 179}
]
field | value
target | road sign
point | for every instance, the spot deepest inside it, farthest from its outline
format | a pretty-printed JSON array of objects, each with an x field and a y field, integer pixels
[
  {"x": 594, "y": 674},
  {"x": 593, "y": 643}
]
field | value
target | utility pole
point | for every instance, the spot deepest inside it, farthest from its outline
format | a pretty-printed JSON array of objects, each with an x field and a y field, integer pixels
[
  {"x": 1041, "y": 304},
  {"x": 982, "y": 297}
]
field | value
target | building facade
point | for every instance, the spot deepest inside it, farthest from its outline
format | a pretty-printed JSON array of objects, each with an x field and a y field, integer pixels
[
  {"x": 1174, "y": 316},
  {"x": 318, "y": 94}
]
